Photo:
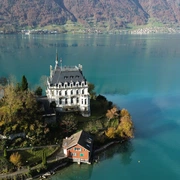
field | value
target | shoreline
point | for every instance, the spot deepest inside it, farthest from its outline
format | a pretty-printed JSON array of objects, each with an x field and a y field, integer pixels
[{"x": 99, "y": 150}]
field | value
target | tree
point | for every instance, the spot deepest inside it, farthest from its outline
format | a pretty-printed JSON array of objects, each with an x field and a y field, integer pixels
[
  {"x": 44, "y": 159},
  {"x": 124, "y": 112},
  {"x": 15, "y": 158},
  {"x": 91, "y": 88},
  {"x": 5, "y": 152},
  {"x": 68, "y": 123},
  {"x": 3, "y": 81},
  {"x": 24, "y": 84},
  {"x": 112, "y": 113},
  {"x": 38, "y": 91},
  {"x": 110, "y": 133},
  {"x": 125, "y": 128}
]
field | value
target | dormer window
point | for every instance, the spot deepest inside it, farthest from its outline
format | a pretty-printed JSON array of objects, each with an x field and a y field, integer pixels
[{"x": 71, "y": 77}]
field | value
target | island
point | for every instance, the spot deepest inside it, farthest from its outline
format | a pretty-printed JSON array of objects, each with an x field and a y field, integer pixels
[{"x": 71, "y": 123}]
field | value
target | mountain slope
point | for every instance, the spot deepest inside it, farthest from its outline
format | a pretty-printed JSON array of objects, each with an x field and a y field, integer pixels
[{"x": 107, "y": 14}]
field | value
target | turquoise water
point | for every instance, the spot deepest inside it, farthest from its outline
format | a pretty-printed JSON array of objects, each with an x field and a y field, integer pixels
[{"x": 140, "y": 73}]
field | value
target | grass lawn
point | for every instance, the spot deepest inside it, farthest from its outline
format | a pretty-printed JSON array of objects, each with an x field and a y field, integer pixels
[{"x": 34, "y": 156}]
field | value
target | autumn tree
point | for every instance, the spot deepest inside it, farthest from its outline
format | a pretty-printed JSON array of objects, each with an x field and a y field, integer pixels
[
  {"x": 18, "y": 106},
  {"x": 110, "y": 132},
  {"x": 15, "y": 158},
  {"x": 112, "y": 113},
  {"x": 123, "y": 128},
  {"x": 124, "y": 112}
]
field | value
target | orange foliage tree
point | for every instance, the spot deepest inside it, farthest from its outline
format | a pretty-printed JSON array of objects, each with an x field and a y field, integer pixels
[
  {"x": 15, "y": 158},
  {"x": 111, "y": 113},
  {"x": 110, "y": 133}
]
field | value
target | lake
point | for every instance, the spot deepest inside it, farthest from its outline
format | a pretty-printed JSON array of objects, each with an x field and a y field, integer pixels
[{"x": 136, "y": 72}]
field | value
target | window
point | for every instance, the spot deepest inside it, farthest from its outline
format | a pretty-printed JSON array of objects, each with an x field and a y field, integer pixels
[
  {"x": 73, "y": 154},
  {"x": 71, "y": 92},
  {"x": 59, "y": 93},
  {"x": 71, "y": 100},
  {"x": 83, "y": 91},
  {"x": 76, "y": 91},
  {"x": 81, "y": 154},
  {"x": 85, "y": 101},
  {"x": 82, "y": 101},
  {"x": 66, "y": 93},
  {"x": 77, "y": 100},
  {"x": 60, "y": 101},
  {"x": 66, "y": 101},
  {"x": 77, "y": 149}
]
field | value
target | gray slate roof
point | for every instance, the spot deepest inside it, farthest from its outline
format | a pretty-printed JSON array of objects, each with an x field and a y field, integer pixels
[
  {"x": 67, "y": 74},
  {"x": 82, "y": 138}
]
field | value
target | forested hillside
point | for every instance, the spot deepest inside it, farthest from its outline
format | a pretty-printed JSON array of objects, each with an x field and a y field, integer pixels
[{"x": 107, "y": 14}]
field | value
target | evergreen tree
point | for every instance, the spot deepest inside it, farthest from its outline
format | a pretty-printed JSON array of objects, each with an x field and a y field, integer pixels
[
  {"x": 5, "y": 153},
  {"x": 24, "y": 84},
  {"x": 38, "y": 91},
  {"x": 44, "y": 159}
]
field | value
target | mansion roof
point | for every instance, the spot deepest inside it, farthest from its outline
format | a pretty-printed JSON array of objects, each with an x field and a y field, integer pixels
[{"x": 67, "y": 74}]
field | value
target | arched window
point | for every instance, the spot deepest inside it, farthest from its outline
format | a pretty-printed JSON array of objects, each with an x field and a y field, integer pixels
[
  {"x": 60, "y": 101},
  {"x": 66, "y": 101},
  {"x": 65, "y": 93}
]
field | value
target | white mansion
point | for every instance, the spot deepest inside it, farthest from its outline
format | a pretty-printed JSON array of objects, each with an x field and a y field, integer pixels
[{"x": 68, "y": 88}]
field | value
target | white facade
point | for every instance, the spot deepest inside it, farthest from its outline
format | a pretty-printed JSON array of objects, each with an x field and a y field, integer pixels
[{"x": 68, "y": 88}]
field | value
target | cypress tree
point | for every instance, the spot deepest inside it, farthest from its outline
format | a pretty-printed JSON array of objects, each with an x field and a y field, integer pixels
[
  {"x": 44, "y": 159},
  {"x": 5, "y": 152},
  {"x": 24, "y": 84}
]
